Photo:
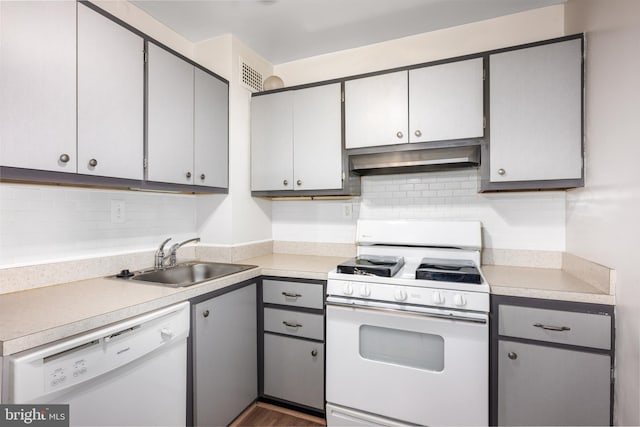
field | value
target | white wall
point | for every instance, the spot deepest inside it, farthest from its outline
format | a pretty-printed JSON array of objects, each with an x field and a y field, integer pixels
[
  {"x": 602, "y": 218},
  {"x": 533, "y": 221},
  {"x": 534, "y": 25}
]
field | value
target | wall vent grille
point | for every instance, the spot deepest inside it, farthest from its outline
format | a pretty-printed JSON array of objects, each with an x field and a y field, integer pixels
[{"x": 250, "y": 78}]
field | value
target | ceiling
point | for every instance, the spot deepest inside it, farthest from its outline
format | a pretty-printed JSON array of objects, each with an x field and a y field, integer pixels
[{"x": 286, "y": 30}]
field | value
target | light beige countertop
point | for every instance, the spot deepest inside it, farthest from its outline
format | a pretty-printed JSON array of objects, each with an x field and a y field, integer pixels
[
  {"x": 545, "y": 283},
  {"x": 301, "y": 266},
  {"x": 39, "y": 316},
  {"x": 34, "y": 317}
]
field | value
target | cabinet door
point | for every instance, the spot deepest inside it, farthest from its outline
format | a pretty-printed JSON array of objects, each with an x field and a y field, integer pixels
[
  {"x": 294, "y": 370},
  {"x": 317, "y": 138},
  {"x": 551, "y": 386},
  {"x": 536, "y": 113},
  {"x": 38, "y": 85},
  {"x": 446, "y": 101},
  {"x": 170, "y": 118},
  {"x": 272, "y": 142},
  {"x": 376, "y": 110},
  {"x": 211, "y": 131},
  {"x": 110, "y": 98},
  {"x": 225, "y": 376}
]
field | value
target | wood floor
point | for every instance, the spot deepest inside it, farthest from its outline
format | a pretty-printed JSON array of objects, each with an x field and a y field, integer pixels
[{"x": 263, "y": 414}]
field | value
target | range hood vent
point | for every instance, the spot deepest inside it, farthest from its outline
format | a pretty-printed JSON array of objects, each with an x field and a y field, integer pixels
[{"x": 420, "y": 160}]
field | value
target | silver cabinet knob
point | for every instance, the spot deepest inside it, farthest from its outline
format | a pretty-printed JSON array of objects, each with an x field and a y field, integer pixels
[
  {"x": 93, "y": 163},
  {"x": 512, "y": 355},
  {"x": 399, "y": 135},
  {"x": 64, "y": 158},
  {"x": 501, "y": 171},
  {"x": 285, "y": 182},
  {"x": 202, "y": 176},
  {"x": 314, "y": 352},
  {"x": 188, "y": 174},
  {"x": 205, "y": 313},
  {"x": 418, "y": 133},
  {"x": 299, "y": 182}
]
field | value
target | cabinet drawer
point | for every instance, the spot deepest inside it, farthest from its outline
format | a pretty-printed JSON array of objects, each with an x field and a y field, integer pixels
[
  {"x": 294, "y": 323},
  {"x": 292, "y": 372},
  {"x": 584, "y": 329},
  {"x": 297, "y": 294}
]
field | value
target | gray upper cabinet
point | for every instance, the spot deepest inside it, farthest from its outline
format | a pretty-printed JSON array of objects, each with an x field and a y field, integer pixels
[
  {"x": 272, "y": 142},
  {"x": 296, "y": 140},
  {"x": 376, "y": 110},
  {"x": 535, "y": 117},
  {"x": 38, "y": 85},
  {"x": 434, "y": 103},
  {"x": 110, "y": 98},
  {"x": 317, "y": 138},
  {"x": 447, "y": 101},
  {"x": 211, "y": 131},
  {"x": 187, "y": 122},
  {"x": 170, "y": 117}
]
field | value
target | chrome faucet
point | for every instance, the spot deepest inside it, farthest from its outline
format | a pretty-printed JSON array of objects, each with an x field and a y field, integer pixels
[
  {"x": 174, "y": 248},
  {"x": 159, "y": 257}
]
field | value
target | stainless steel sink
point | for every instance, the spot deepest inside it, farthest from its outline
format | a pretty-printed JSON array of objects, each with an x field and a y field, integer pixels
[{"x": 190, "y": 273}]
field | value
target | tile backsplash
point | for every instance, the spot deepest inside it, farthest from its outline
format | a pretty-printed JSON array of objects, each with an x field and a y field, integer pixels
[
  {"x": 48, "y": 223},
  {"x": 511, "y": 220}
]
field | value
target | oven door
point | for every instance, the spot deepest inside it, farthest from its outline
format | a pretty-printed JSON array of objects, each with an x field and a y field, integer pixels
[{"x": 419, "y": 368}]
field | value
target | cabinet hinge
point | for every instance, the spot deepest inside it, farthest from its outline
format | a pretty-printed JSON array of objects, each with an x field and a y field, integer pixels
[
  {"x": 144, "y": 163},
  {"x": 484, "y": 74},
  {"x": 343, "y": 176},
  {"x": 613, "y": 376},
  {"x": 144, "y": 56},
  {"x": 342, "y": 96},
  {"x": 484, "y": 122}
]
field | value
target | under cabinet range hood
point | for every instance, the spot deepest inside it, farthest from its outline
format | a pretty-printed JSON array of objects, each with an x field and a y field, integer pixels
[{"x": 419, "y": 160}]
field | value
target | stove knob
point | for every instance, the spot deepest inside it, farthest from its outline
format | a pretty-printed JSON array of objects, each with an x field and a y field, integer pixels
[
  {"x": 347, "y": 289},
  {"x": 437, "y": 297},
  {"x": 459, "y": 300},
  {"x": 400, "y": 295},
  {"x": 365, "y": 291}
]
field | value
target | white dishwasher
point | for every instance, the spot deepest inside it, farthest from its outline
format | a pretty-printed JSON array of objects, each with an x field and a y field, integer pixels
[{"x": 129, "y": 373}]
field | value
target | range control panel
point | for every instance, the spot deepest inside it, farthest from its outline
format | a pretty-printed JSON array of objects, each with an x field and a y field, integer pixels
[{"x": 422, "y": 296}]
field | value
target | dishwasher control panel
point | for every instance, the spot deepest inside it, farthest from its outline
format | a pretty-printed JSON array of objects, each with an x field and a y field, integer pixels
[{"x": 35, "y": 373}]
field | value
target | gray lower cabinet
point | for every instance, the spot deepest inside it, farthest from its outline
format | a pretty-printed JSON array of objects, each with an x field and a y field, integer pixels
[
  {"x": 293, "y": 342},
  {"x": 539, "y": 385},
  {"x": 551, "y": 362},
  {"x": 294, "y": 370},
  {"x": 224, "y": 356}
]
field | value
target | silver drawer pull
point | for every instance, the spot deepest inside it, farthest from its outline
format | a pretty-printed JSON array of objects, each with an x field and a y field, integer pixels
[
  {"x": 552, "y": 328},
  {"x": 290, "y": 295},
  {"x": 292, "y": 324}
]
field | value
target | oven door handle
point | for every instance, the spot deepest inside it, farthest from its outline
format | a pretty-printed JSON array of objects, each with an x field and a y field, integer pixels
[{"x": 406, "y": 309}]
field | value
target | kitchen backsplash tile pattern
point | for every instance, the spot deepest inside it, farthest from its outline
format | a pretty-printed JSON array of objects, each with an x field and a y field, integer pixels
[
  {"x": 41, "y": 224},
  {"x": 526, "y": 220}
]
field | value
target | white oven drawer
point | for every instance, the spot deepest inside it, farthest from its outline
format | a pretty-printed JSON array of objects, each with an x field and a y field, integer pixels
[
  {"x": 297, "y": 294},
  {"x": 295, "y": 323},
  {"x": 565, "y": 327}
]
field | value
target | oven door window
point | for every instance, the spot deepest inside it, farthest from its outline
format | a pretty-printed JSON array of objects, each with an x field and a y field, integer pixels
[{"x": 403, "y": 348}]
